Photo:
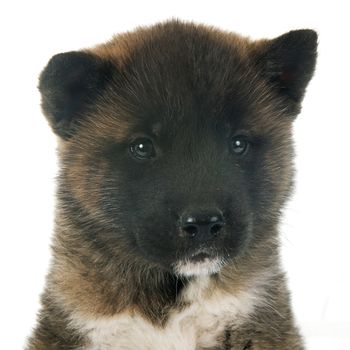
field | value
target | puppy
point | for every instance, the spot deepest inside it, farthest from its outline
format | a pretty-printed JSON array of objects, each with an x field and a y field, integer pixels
[{"x": 176, "y": 159}]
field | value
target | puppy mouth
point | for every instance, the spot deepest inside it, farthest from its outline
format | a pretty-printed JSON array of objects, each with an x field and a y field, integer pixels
[
  {"x": 199, "y": 257},
  {"x": 202, "y": 253},
  {"x": 201, "y": 263}
]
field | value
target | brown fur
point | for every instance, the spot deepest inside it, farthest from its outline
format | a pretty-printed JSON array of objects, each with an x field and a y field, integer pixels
[{"x": 96, "y": 282}]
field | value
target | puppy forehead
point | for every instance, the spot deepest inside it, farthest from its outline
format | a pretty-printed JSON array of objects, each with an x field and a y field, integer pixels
[
  {"x": 121, "y": 124},
  {"x": 113, "y": 122},
  {"x": 180, "y": 78}
]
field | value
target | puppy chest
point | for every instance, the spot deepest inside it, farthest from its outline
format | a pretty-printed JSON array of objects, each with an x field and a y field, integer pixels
[{"x": 200, "y": 325}]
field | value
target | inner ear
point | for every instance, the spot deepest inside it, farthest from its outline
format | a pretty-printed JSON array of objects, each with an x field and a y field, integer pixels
[
  {"x": 288, "y": 63},
  {"x": 69, "y": 84}
]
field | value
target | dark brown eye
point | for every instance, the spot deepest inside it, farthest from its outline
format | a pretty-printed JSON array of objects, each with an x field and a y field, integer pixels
[
  {"x": 142, "y": 148},
  {"x": 239, "y": 145}
]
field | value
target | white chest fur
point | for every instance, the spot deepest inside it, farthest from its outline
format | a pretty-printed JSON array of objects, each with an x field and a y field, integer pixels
[{"x": 196, "y": 327}]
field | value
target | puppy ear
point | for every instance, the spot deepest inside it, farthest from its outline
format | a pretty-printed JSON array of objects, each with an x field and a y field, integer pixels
[
  {"x": 288, "y": 63},
  {"x": 69, "y": 84}
]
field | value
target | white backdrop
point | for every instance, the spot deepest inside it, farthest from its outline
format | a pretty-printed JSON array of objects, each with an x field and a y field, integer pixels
[{"x": 315, "y": 231}]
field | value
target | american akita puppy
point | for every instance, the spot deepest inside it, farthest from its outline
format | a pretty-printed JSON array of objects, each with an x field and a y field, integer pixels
[{"x": 176, "y": 159}]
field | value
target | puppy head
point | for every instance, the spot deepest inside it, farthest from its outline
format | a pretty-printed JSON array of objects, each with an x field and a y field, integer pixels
[{"x": 176, "y": 140}]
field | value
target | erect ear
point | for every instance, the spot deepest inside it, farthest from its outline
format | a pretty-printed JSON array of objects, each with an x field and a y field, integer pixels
[
  {"x": 288, "y": 63},
  {"x": 69, "y": 84}
]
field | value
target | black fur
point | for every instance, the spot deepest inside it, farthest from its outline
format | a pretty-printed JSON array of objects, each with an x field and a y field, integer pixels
[
  {"x": 68, "y": 85},
  {"x": 288, "y": 62}
]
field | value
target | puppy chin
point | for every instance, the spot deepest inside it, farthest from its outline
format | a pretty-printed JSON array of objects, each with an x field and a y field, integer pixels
[{"x": 203, "y": 267}]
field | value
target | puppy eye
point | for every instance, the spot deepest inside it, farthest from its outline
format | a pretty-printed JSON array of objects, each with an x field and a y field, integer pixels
[
  {"x": 142, "y": 148},
  {"x": 239, "y": 145}
]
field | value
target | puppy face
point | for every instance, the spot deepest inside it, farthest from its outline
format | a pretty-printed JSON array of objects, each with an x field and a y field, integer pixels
[{"x": 179, "y": 151}]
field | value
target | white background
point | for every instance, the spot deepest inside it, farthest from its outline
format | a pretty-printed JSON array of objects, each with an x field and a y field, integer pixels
[{"x": 315, "y": 232}]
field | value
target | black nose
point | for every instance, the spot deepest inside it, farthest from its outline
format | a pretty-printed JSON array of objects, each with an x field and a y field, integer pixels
[{"x": 202, "y": 224}]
